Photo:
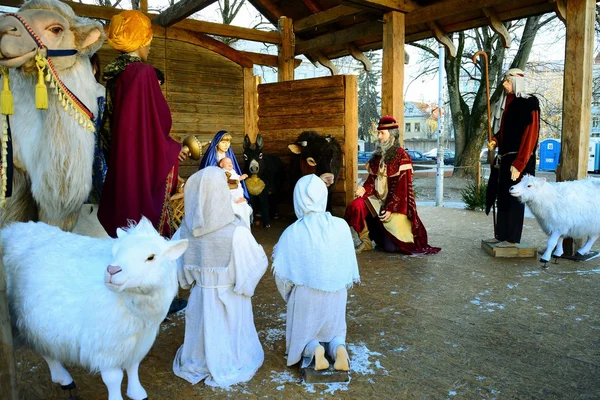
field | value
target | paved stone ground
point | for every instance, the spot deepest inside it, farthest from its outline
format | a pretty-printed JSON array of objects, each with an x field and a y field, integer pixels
[{"x": 456, "y": 325}]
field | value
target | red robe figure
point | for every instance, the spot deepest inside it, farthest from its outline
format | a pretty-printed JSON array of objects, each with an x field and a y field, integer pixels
[
  {"x": 516, "y": 128},
  {"x": 141, "y": 156},
  {"x": 389, "y": 191}
]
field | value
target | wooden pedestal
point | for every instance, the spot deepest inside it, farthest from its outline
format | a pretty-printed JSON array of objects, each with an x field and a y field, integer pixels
[
  {"x": 330, "y": 375},
  {"x": 522, "y": 250}
]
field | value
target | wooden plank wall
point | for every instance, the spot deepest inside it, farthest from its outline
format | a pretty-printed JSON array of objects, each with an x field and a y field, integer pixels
[
  {"x": 204, "y": 89},
  {"x": 326, "y": 105}
]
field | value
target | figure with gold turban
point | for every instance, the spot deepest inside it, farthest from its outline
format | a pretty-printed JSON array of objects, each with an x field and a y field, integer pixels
[{"x": 142, "y": 158}]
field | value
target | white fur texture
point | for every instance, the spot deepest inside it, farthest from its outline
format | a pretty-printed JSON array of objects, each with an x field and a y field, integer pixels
[
  {"x": 563, "y": 209},
  {"x": 67, "y": 306}
]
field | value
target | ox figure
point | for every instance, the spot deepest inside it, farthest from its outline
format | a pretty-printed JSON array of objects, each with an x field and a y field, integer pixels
[{"x": 319, "y": 155}]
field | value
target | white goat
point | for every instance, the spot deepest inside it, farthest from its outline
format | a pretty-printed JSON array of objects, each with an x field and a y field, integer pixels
[
  {"x": 563, "y": 209},
  {"x": 92, "y": 302}
]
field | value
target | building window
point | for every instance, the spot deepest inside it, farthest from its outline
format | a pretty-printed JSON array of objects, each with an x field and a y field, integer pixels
[
  {"x": 595, "y": 122},
  {"x": 407, "y": 127},
  {"x": 417, "y": 127}
]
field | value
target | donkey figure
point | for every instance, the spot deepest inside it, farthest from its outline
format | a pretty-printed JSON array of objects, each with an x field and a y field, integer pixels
[{"x": 265, "y": 173}]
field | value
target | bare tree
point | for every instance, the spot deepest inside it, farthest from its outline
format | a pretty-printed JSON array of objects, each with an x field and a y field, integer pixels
[{"x": 469, "y": 110}]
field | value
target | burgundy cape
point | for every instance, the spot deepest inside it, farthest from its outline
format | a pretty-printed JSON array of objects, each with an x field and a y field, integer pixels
[
  {"x": 142, "y": 154},
  {"x": 400, "y": 199}
]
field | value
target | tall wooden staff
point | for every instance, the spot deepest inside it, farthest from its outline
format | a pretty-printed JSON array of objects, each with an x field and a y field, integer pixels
[{"x": 489, "y": 113}]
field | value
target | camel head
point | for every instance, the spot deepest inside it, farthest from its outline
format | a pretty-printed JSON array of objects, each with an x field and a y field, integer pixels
[{"x": 57, "y": 27}]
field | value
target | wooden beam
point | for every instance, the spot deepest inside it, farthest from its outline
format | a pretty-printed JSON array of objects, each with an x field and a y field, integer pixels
[
  {"x": 8, "y": 367},
  {"x": 343, "y": 36},
  {"x": 577, "y": 92},
  {"x": 268, "y": 60},
  {"x": 441, "y": 37},
  {"x": 359, "y": 56},
  {"x": 312, "y": 6},
  {"x": 448, "y": 8},
  {"x": 268, "y": 9},
  {"x": 498, "y": 27},
  {"x": 144, "y": 6},
  {"x": 350, "y": 136},
  {"x": 285, "y": 65},
  {"x": 335, "y": 14},
  {"x": 180, "y": 11},
  {"x": 212, "y": 28},
  {"x": 210, "y": 44},
  {"x": 385, "y": 5},
  {"x": 392, "y": 77},
  {"x": 560, "y": 8},
  {"x": 250, "y": 103},
  {"x": 326, "y": 62}
]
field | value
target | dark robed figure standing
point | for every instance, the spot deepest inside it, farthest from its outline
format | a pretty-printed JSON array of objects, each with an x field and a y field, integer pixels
[
  {"x": 516, "y": 132},
  {"x": 398, "y": 227},
  {"x": 142, "y": 157}
]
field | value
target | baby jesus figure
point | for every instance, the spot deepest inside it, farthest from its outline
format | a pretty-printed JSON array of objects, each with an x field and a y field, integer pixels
[{"x": 240, "y": 205}]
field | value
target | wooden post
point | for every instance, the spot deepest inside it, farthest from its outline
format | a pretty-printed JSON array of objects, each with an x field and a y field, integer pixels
[
  {"x": 250, "y": 104},
  {"x": 144, "y": 6},
  {"x": 577, "y": 93},
  {"x": 8, "y": 368},
  {"x": 478, "y": 175},
  {"x": 285, "y": 64},
  {"x": 392, "y": 80},
  {"x": 350, "y": 136}
]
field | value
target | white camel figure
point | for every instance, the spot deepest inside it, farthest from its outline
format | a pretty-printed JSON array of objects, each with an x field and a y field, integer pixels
[{"x": 53, "y": 153}]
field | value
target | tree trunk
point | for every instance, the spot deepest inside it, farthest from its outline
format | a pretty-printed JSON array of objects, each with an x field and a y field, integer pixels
[{"x": 472, "y": 131}]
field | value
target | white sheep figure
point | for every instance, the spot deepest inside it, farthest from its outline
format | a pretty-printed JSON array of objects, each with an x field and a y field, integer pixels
[
  {"x": 563, "y": 209},
  {"x": 93, "y": 302}
]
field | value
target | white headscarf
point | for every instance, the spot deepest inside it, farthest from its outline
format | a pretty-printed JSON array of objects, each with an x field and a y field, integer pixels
[
  {"x": 316, "y": 251},
  {"x": 517, "y": 77},
  {"x": 209, "y": 220}
]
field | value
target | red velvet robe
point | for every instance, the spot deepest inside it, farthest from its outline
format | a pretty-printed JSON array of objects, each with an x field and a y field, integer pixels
[
  {"x": 143, "y": 157},
  {"x": 400, "y": 199}
]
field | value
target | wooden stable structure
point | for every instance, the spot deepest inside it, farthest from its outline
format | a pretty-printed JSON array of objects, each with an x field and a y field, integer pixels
[{"x": 210, "y": 86}]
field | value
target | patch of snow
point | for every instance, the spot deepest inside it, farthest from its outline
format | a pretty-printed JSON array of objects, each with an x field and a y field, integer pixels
[
  {"x": 451, "y": 392},
  {"x": 393, "y": 292},
  {"x": 282, "y": 377},
  {"x": 510, "y": 286},
  {"x": 570, "y": 308},
  {"x": 359, "y": 359}
]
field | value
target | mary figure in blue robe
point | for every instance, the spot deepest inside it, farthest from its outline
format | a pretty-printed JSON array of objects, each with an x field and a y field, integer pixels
[{"x": 220, "y": 147}]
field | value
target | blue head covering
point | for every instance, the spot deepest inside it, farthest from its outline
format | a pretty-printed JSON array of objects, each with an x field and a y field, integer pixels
[{"x": 210, "y": 159}]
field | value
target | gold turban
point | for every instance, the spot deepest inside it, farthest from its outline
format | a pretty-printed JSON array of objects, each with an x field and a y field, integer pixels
[{"x": 129, "y": 30}]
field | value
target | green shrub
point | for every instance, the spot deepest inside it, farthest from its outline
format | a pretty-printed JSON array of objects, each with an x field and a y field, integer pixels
[{"x": 474, "y": 197}]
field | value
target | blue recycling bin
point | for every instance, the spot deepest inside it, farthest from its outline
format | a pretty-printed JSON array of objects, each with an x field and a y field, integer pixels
[
  {"x": 549, "y": 154},
  {"x": 597, "y": 159}
]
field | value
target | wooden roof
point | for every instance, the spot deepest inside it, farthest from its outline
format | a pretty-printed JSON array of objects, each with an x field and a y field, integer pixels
[{"x": 337, "y": 28}]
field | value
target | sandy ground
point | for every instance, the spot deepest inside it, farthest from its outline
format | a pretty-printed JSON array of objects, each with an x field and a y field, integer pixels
[{"x": 456, "y": 325}]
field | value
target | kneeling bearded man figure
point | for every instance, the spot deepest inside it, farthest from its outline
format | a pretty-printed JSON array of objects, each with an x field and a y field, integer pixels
[{"x": 398, "y": 227}]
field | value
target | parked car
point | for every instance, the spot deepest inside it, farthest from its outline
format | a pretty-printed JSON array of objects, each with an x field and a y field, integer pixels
[
  {"x": 364, "y": 156},
  {"x": 448, "y": 156},
  {"x": 418, "y": 157}
]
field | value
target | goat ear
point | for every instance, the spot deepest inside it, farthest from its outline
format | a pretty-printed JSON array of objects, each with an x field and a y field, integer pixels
[
  {"x": 176, "y": 249},
  {"x": 121, "y": 233},
  {"x": 90, "y": 38},
  {"x": 294, "y": 148}
]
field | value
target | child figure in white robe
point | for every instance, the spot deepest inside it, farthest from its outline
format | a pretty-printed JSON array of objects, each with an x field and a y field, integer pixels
[
  {"x": 240, "y": 205},
  {"x": 222, "y": 266},
  {"x": 314, "y": 263}
]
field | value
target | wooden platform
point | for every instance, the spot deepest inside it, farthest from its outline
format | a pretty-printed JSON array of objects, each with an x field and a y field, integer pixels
[
  {"x": 522, "y": 250},
  {"x": 330, "y": 375}
]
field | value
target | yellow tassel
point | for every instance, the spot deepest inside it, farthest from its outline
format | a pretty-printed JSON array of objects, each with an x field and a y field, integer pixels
[
  {"x": 6, "y": 98},
  {"x": 41, "y": 92}
]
